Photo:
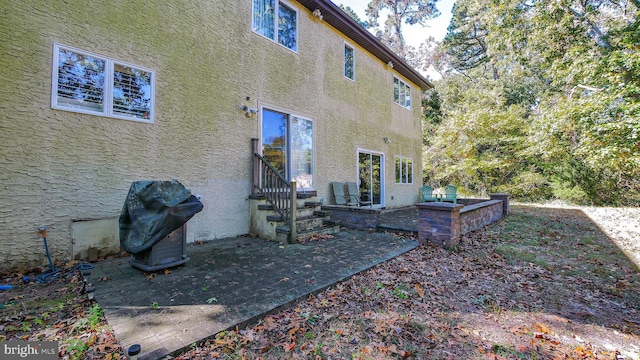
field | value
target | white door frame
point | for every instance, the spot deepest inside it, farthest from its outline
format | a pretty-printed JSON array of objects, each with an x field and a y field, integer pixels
[{"x": 382, "y": 172}]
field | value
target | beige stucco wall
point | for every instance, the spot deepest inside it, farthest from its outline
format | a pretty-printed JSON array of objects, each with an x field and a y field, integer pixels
[{"x": 57, "y": 167}]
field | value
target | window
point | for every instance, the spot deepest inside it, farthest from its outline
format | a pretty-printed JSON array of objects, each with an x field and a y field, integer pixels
[
  {"x": 268, "y": 13},
  {"x": 349, "y": 63},
  {"x": 404, "y": 170},
  {"x": 401, "y": 93},
  {"x": 92, "y": 84}
]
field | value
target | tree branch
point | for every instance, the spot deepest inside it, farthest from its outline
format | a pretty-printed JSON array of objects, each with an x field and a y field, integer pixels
[{"x": 600, "y": 37}]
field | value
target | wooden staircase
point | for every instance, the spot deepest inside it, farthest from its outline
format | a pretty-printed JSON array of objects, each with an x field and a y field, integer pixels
[
  {"x": 311, "y": 220},
  {"x": 278, "y": 211}
]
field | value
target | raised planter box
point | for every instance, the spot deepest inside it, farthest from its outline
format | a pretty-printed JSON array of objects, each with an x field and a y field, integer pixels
[
  {"x": 440, "y": 223},
  {"x": 443, "y": 223}
]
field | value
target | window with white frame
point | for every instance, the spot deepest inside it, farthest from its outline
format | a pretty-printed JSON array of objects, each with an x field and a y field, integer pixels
[
  {"x": 401, "y": 93},
  {"x": 349, "y": 62},
  {"x": 92, "y": 84},
  {"x": 277, "y": 21},
  {"x": 404, "y": 170}
]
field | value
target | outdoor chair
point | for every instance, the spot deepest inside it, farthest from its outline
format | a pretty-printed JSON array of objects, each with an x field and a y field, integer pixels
[
  {"x": 341, "y": 198},
  {"x": 354, "y": 195},
  {"x": 426, "y": 194},
  {"x": 450, "y": 194}
]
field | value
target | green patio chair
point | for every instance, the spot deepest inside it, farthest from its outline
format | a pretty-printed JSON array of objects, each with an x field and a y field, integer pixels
[
  {"x": 450, "y": 194},
  {"x": 426, "y": 194},
  {"x": 354, "y": 195},
  {"x": 341, "y": 198}
]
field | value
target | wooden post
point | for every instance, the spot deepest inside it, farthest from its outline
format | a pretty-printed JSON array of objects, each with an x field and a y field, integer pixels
[
  {"x": 293, "y": 234},
  {"x": 256, "y": 165}
]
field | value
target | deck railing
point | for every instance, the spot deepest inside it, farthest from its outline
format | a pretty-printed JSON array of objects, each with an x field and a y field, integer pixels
[{"x": 277, "y": 190}]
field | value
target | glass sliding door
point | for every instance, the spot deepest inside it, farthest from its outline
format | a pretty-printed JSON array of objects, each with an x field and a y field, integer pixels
[
  {"x": 287, "y": 143},
  {"x": 301, "y": 164},
  {"x": 370, "y": 174},
  {"x": 274, "y": 139}
]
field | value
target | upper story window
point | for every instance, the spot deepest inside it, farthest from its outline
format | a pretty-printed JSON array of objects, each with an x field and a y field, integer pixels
[
  {"x": 91, "y": 84},
  {"x": 401, "y": 93},
  {"x": 349, "y": 63},
  {"x": 404, "y": 170},
  {"x": 277, "y": 21}
]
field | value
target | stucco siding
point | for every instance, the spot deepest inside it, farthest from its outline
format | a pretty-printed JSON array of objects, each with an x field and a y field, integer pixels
[{"x": 57, "y": 167}]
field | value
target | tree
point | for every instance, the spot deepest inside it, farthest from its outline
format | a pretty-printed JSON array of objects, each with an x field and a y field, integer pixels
[
  {"x": 400, "y": 12},
  {"x": 567, "y": 75},
  {"x": 466, "y": 39},
  {"x": 354, "y": 16}
]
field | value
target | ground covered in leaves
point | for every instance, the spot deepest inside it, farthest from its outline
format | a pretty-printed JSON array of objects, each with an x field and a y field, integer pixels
[
  {"x": 58, "y": 310},
  {"x": 543, "y": 283}
]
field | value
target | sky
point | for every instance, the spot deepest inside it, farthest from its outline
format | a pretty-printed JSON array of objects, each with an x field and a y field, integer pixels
[{"x": 416, "y": 34}]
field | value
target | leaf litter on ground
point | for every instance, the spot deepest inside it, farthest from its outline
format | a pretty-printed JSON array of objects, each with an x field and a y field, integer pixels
[
  {"x": 543, "y": 283},
  {"x": 56, "y": 311}
]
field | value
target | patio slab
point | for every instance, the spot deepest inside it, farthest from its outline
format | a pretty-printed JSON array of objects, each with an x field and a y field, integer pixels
[{"x": 227, "y": 283}]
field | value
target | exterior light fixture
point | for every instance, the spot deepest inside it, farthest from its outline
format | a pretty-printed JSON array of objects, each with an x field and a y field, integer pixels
[
  {"x": 248, "y": 112},
  {"x": 386, "y": 140},
  {"x": 317, "y": 14},
  {"x": 390, "y": 64}
]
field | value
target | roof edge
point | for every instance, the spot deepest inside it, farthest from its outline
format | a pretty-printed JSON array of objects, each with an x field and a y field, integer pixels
[{"x": 334, "y": 16}]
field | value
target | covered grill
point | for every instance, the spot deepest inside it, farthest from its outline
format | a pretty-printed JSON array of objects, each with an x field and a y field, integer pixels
[{"x": 153, "y": 223}]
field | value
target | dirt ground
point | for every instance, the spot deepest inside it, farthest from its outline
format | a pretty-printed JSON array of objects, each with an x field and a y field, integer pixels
[
  {"x": 622, "y": 226},
  {"x": 547, "y": 282}
]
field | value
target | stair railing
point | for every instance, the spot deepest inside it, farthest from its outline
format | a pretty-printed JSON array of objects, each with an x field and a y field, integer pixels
[{"x": 277, "y": 190}]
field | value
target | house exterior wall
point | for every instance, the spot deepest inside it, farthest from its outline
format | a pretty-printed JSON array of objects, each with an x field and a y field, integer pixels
[{"x": 57, "y": 167}]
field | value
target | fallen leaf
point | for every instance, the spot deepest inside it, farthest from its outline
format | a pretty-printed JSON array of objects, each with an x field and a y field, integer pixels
[
  {"x": 406, "y": 354},
  {"x": 105, "y": 348},
  {"x": 542, "y": 328},
  {"x": 584, "y": 352},
  {"x": 520, "y": 330},
  {"x": 290, "y": 346}
]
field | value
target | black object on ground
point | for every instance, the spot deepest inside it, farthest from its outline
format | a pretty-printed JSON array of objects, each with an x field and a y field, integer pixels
[{"x": 152, "y": 211}]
